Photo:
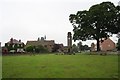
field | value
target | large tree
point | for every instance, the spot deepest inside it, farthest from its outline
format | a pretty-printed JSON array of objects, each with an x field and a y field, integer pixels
[
  {"x": 80, "y": 46},
  {"x": 100, "y": 21},
  {"x": 118, "y": 45}
]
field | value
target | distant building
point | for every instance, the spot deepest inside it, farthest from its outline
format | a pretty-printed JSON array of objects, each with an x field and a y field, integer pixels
[
  {"x": 65, "y": 49},
  {"x": 93, "y": 47},
  {"x": 105, "y": 45},
  {"x": 4, "y": 50},
  {"x": 58, "y": 48},
  {"x": 49, "y": 44},
  {"x": 61, "y": 47},
  {"x": 68, "y": 49},
  {"x": 14, "y": 46}
]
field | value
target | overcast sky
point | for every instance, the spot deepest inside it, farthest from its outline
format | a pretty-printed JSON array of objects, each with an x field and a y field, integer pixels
[{"x": 30, "y": 19}]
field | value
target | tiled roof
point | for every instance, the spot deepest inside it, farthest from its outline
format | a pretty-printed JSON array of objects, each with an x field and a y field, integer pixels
[
  {"x": 15, "y": 42},
  {"x": 45, "y": 42}
]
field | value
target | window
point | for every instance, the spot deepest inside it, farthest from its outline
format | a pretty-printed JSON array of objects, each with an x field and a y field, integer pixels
[
  {"x": 45, "y": 46},
  {"x": 7, "y": 44},
  {"x": 21, "y": 45},
  {"x": 109, "y": 45},
  {"x": 13, "y": 45}
]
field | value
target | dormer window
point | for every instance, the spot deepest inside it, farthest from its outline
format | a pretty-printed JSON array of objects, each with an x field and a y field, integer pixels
[{"x": 8, "y": 44}]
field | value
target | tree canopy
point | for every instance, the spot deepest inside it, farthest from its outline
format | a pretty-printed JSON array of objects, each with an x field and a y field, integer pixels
[
  {"x": 100, "y": 21},
  {"x": 118, "y": 45},
  {"x": 37, "y": 49},
  {"x": 74, "y": 48}
]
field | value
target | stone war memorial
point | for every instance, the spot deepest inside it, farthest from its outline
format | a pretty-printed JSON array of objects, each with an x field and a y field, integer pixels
[{"x": 68, "y": 48}]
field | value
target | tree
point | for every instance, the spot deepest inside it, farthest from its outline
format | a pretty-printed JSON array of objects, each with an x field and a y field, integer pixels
[
  {"x": 100, "y": 21},
  {"x": 85, "y": 47},
  {"x": 9, "y": 46},
  {"x": 37, "y": 49},
  {"x": 118, "y": 44},
  {"x": 79, "y": 46},
  {"x": 74, "y": 48},
  {"x": 118, "y": 35},
  {"x": 29, "y": 48},
  {"x": 41, "y": 49}
]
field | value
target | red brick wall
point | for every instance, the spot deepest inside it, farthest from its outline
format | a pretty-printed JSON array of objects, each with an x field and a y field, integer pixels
[{"x": 107, "y": 45}]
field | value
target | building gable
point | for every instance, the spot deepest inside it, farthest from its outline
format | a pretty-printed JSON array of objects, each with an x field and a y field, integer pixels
[
  {"x": 45, "y": 43},
  {"x": 105, "y": 45}
]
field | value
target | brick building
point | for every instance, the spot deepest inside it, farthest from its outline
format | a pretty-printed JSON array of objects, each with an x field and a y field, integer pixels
[
  {"x": 106, "y": 45},
  {"x": 49, "y": 44},
  {"x": 14, "y": 46}
]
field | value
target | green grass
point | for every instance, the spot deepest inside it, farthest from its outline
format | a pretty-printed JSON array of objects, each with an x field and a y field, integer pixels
[
  {"x": 0, "y": 66},
  {"x": 60, "y": 66}
]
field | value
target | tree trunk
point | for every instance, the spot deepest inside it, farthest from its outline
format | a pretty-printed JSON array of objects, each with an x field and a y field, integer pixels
[{"x": 98, "y": 45}]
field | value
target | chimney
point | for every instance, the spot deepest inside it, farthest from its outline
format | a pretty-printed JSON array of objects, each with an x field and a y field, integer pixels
[
  {"x": 42, "y": 38},
  {"x": 19, "y": 40},
  {"x": 38, "y": 39},
  {"x": 11, "y": 40}
]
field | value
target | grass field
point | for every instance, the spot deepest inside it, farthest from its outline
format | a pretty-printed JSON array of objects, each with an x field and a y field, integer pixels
[
  {"x": 60, "y": 66},
  {"x": 0, "y": 66}
]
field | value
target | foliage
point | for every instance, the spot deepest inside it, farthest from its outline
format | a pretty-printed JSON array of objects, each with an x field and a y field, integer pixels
[
  {"x": 85, "y": 47},
  {"x": 82, "y": 47},
  {"x": 10, "y": 47},
  {"x": 40, "y": 49},
  {"x": 118, "y": 35},
  {"x": 118, "y": 44},
  {"x": 100, "y": 21},
  {"x": 74, "y": 48},
  {"x": 29, "y": 48},
  {"x": 79, "y": 46},
  {"x": 37, "y": 49}
]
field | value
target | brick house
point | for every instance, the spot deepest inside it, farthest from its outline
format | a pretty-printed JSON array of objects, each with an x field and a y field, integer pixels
[
  {"x": 49, "y": 44},
  {"x": 4, "y": 50},
  {"x": 14, "y": 46},
  {"x": 58, "y": 48},
  {"x": 106, "y": 45}
]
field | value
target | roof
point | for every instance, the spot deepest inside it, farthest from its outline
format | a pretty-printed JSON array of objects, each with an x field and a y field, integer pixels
[
  {"x": 106, "y": 40},
  {"x": 15, "y": 42},
  {"x": 45, "y": 42}
]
